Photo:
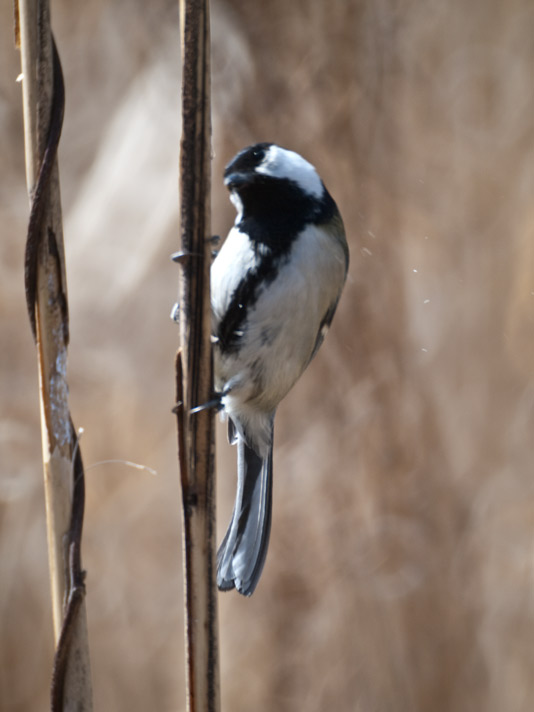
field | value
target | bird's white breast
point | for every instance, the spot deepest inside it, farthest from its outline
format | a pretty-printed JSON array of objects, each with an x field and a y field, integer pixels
[
  {"x": 281, "y": 326},
  {"x": 292, "y": 308}
]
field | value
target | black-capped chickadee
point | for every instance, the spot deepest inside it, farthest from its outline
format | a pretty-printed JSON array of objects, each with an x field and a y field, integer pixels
[{"x": 275, "y": 285}]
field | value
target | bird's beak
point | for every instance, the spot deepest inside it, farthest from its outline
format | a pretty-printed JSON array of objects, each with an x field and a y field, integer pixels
[{"x": 236, "y": 180}]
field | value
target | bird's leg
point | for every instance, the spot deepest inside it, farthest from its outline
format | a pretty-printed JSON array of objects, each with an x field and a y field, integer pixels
[{"x": 215, "y": 403}]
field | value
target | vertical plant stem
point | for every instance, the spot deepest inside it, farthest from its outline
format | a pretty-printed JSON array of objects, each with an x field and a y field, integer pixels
[
  {"x": 195, "y": 385},
  {"x": 47, "y": 305}
]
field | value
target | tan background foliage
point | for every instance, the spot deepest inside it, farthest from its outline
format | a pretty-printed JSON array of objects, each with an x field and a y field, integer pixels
[{"x": 400, "y": 576}]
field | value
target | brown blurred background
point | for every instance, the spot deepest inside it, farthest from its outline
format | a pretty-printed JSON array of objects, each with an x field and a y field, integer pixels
[{"x": 400, "y": 576}]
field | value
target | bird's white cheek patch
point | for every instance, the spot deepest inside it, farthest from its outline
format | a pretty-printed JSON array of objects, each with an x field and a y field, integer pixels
[{"x": 238, "y": 204}]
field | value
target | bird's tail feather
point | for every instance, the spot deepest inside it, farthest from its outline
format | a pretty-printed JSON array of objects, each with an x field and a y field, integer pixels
[{"x": 241, "y": 556}]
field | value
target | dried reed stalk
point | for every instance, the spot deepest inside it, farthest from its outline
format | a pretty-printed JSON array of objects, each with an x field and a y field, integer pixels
[
  {"x": 195, "y": 385},
  {"x": 47, "y": 304}
]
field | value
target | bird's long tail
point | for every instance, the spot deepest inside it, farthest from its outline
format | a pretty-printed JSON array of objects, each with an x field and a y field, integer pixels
[{"x": 241, "y": 556}]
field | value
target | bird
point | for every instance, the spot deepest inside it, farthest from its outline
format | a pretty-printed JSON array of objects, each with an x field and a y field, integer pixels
[{"x": 275, "y": 285}]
